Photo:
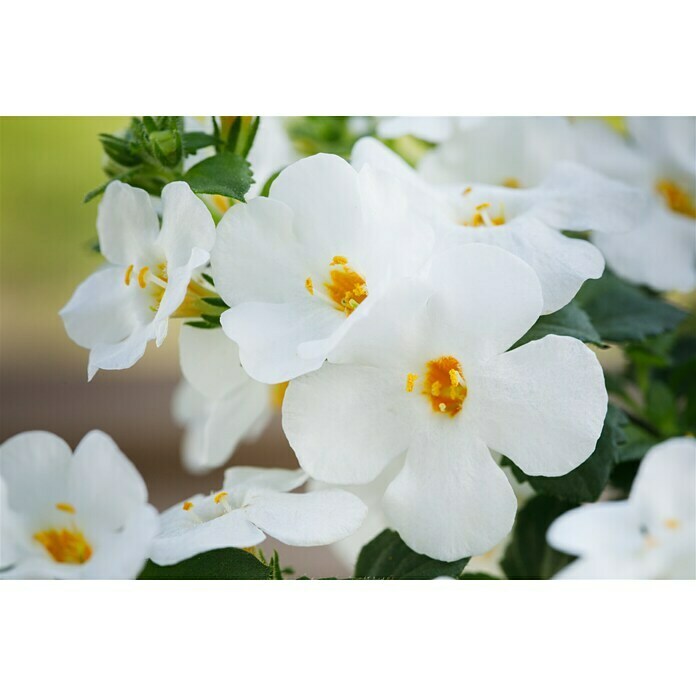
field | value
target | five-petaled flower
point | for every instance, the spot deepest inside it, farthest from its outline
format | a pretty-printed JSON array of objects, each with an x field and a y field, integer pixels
[
  {"x": 427, "y": 375},
  {"x": 71, "y": 515}
]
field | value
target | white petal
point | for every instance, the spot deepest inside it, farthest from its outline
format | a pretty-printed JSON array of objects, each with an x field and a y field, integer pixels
[
  {"x": 433, "y": 129},
  {"x": 451, "y": 499},
  {"x": 323, "y": 193},
  {"x": 561, "y": 264},
  {"x": 257, "y": 256},
  {"x": 345, "y": 422},
  {"x": 127, "y": 225},
  {"x": 659, "y": 252},
  {"x": 604, "y": 568},
  {"x": 104, "y": 310},
  {"x": 542, "y": 405},
  {"x": 181, "y": 537},
  {"x": 186, "y": 224},
  {"x": 34, "y": 467},
  {"x": 308, "y": 519},
  {"x": 119, "y": 356},
  {"x": 262, "y": 479},
  {"x": 665, "y": 487},
  {"x": 269, "y": 336},
  {"x": 575, "y": 198},
  {"x": 272, "y": 150},
  {"x": 125, "y": 553},
  {"x": 103, "y": 484},
  {"x": 603, "y": 528},
  {"x": 210, "y": 361},
  {"x": 485, "y": 300}
]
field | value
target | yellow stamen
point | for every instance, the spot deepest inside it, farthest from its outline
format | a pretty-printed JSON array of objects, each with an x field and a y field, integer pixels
[
  {"x": 466, "y": 190},
  {"x": 454, "y": 377},
  {"x": 672, "y": 523},
  {"x": 511, "y": 182},
  {"x": 141, "y": 276},
  {"x": 65, "y": 545},
  {"x": 435, "y": 389},
  {"x": 309, "y": 285},
  {"x": 410, "y": 381},
  {"x": 339, "y": 261},
  {"x": 347, "y": 288},
  {"x": 442, "y": 407},
  {"x": 278, "y": 394},
  {"x": 222, "y": 203},
  {"x": 188, "y": 505},
  {"x": 219, "y": 497},
  {"x": 65, "y": 507},
  {"x": 483, "y": 206},
  {"x": 677, "y": 199},
  {"x": 445, "y": 370},
  {"x": 129, "y": 272}
]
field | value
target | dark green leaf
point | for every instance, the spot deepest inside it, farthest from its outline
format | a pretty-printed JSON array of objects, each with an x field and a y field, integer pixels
[
  {"x": 197, "y": 140},
  {"x": 208, "y": 278},
  {"x": 213, "y": 319},
  {"x": 227, "y": 174},
  {"x": 478, "y": 576},
  {"x": 585, "y": 483},
  {"x": 215, "y": 301},
  {"x": 621, "y": 312},
  {"x": 528, "y": 556},
  {"x": 251, "y": 136},
  {"x": 202, "y": 325},
  {"x": 569, "y": 321},
  {"x": 122, "y": 151},
  {"x": 388, "y": 557},
  {"x": 221, "y": 564}
]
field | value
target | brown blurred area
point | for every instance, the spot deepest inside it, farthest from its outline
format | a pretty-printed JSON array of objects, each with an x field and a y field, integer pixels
[{"x": 46, "y": 167}]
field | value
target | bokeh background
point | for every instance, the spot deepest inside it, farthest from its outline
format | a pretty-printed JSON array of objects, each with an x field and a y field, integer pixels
[{"x": 47, "y": 164}]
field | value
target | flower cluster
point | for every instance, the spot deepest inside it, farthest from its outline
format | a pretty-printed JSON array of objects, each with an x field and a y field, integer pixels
[{"x": 424, "y": 331}]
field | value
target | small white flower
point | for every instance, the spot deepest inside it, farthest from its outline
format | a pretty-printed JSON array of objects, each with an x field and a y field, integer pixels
[
  {"x": 527, "y": 222},
  {"x": 426, "y": 374},
  {"x": 149, "y": 278},
  {"x": 71, "y": 515},
  {"x": 660, "y": 159},
  {"x": 303, "y": 266},
  {"x": 217, "y": 403},
  {"x": 252, "y": 503},
  {"x": 432, "y": 129},
  {"x": 650, "y": 535}
]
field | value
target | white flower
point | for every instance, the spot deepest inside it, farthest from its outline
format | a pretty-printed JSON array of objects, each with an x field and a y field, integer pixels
[
  {"x": 433, "y": 129},
  {"x": 149, "y": 278},
  {"x": 217, "y": 403},
  {"x": 650, "y": 535},
  {"x": 304, "y": 265},
  {"x": 526, "y": 222},
  {"x": 71, "y": 515},
  {"x": 255, "y": 502},
  {"x": 272, "y": 151},
  {"x": 661, "y": 159},
  {"x": 427, "y": 374}
]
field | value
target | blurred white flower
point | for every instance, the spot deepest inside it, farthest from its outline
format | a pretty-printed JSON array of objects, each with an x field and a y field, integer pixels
[
  {"x": 71, "y": 515},
  {"x": 300, "y": 268},
  {"x": 426, "y": 374},
  {"x": 432, "y": 129},
  {"x": 217, "y": 403},
  {"x": 526, "y": 222},
  {"x": 252, "y": 503},
  {"x": 150, "y": 276},
  {"x": 659, "y": 157},
  {"x": 650, "y": 535}
]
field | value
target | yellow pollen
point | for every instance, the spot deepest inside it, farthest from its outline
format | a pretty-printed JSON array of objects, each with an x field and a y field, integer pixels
[
  {"x": 466, "y": 190},
  {"x": 347, "y": 288},
  {"x": 481, "y": 217},
  {"x": 278, "y": 394},
  {"x": 411, "y": 378},
  {"x": 141, "y": 276},
  {"x": 188, "y": 505},
  {"x": 672, "y": 523},
  {"x": 220, "y": 202},
  {"x": 309, "y": 285},
  {"x": 65, "y": 545},
  {"x": 511, "y": 182},
  {"x": 65, "y": 507},
  {"x": 483, "y": 206},
  {"x": 219, "y": 497},
  {"x": 441, "y": 371},
  {"x": 676, "y": 198},
  {"x": 129, "y": 272}
]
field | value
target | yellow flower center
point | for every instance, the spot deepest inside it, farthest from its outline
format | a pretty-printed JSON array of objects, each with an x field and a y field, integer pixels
[
  {"x": 156, "y": 281},
  {"x": 443, "y": 385},
  {"x": 346, "y": 288},
  {"x": 482, "y": 217},
  {"x": 676, "y": 198},
  {"x": 65, "y": 545}
]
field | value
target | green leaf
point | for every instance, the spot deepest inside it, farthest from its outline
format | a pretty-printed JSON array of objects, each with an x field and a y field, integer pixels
[
  {"x": 636, "y": 444},
  {"x": 212, "y": 319},
  {"x": 208, "y": 278},
  {"x": 478, "y": 576},
  {"x": 221, "y": 564},
  {"x": 197, "y": 140},
  {"x": 621, "y": 312},
  {"x": 251, "y": 136},
  {"x": 585, "y": 483},
  {"x": 202, "y": 325},
  {"x": 572, "y": 320},
  {"x": 227, "y": 174},
  {"x": 124, "y": 152},
  {"x": 528, "y": 556},
  {"x": 387, "y": 557}
]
